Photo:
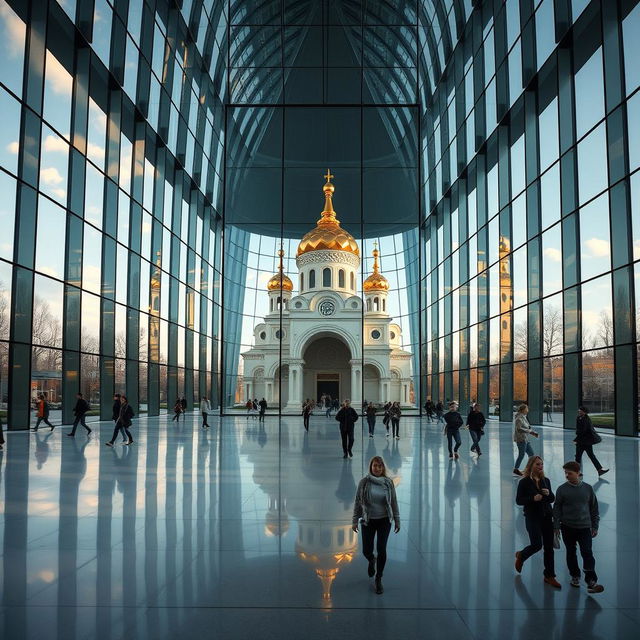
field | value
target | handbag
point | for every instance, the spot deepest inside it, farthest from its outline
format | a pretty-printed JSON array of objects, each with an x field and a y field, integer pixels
[{"x": 597, "y": 439}]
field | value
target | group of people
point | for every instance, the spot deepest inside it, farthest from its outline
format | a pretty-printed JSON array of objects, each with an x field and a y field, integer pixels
[
  {"x": 256, "y": 409},
  {"x": 122, "y": 415},
  {"x": 434, "y": 410},
  {"x": 179, "y": 409}
]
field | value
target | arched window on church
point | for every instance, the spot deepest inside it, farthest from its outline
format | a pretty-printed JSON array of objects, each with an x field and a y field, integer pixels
[
  {"x": 301, "y": 282},
  {"x": 326, "y": 277},
  {"x": 312, "y": 279},
  {"x": 376, "y": 304},
  {"x": 353, "y": 282},
  {"x": 341, "y": 278},
  {"x": 368, "y": 304}
]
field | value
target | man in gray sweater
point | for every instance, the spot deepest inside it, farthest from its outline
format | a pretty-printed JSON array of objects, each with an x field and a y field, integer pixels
[{"x": 575, "y": 513}]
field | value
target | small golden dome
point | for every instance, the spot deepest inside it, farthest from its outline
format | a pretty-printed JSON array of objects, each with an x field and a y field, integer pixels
[
  {"x": 376, "y": 281},
  {"x": 328, "y": 235},
  {"x": 280, "y": 281}
]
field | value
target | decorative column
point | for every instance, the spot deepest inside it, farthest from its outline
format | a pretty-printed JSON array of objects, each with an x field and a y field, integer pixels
[
  {"x": 248, "y": 389},
  {"x": 268, "y": 390},
  {"x": 295, "y": 384},
  {"x": 356, "y": 382}
]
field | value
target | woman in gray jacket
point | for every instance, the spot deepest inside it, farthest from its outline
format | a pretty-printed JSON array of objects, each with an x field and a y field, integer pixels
[
  {"x": 376, "y": 506},
  {"x": 521, "y": 432}
]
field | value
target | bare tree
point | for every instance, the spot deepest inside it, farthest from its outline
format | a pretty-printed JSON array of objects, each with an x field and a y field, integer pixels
[
  {"x": 520, "y": 339},
  {"x": 551, "y": 331}
]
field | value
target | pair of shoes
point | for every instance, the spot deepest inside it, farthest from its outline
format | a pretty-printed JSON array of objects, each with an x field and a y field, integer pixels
[
  {"x": 371, "y": 569},
  {"x": 397, "y": 437},
  {"x": 451, "y": 456},
  {"x": 350, "y": 454},
  {"x": 34, "y": 430},
  {"x": 51, "y": 427},
  {"x": 517, "y": 472},
  {"x": 519, "y": 561},
  {"x": 130, "y": 442},
  {"x": 371, "y": 435},
  {"x": 345, "y": 456},
  {"x": 379, "y": 589},
  {"x": 109, "y": 444},
  {"x": 70, "y": 435},
  {"x": 456, "y": 456},
  {"x": 387, "y": 434},
  {"x": 553, "y": 582},
  {"x": 601, "y": 472},
  {"x": 575, "y": 581},
  {"x": 594, "y": 587},
  {"x": 89, "y": 432}
]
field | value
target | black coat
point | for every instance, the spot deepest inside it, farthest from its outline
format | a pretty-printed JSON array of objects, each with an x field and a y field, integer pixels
[
  {"x": 453, "y": 420},
  {"x": 476, "y": 421},
  {"x": 527, "y": 490},
  {"x": 126, "y": 414},
  {"x": 347, "y": 417},
  {"x": 584, "y": 431},
  {"x": 82, "y": 406},
  {"x": 115, "y": 410}
]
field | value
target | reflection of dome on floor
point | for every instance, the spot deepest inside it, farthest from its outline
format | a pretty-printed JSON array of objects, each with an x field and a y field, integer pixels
[{"x": 326, "y": 339}]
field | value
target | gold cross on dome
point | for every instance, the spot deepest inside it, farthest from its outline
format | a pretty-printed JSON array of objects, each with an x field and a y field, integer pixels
[{"x": 328, "y": 176}]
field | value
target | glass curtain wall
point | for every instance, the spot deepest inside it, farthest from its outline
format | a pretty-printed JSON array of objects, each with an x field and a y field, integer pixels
[
  {"x": 111, "y": 177},
  {"x": 530, "y": 146}
]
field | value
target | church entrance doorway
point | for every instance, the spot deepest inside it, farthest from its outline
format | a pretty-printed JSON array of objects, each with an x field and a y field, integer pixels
[{"x": 327, "y": 387}]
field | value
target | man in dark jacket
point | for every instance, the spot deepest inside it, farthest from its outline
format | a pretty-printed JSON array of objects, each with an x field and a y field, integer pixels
[
  {"x": 453, "y": 422},
  {"x": 183, "y": 405},
  {"x": 80, "y": 410},
  {"x": 585, "y": 438},
  {"x": 115, "y": 412},
  {"x": 263, "y": 409},
  {"x": 476, "y": 422},
  {"x": 347, "y": 417},
  {"x": 123, "y": 422}
]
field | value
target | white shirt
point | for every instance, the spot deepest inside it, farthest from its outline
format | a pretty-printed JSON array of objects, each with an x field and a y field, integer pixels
[{"x": 205, "y": 407}]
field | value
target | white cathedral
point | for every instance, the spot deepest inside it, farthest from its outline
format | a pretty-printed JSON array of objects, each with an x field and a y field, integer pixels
[{"x": 328, "y": 344}]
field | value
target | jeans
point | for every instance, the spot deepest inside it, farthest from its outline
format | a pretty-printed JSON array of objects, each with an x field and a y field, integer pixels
[
  {"x": 327, "y": 413},
  {"x": 43, "y": 419},
  {"x": 540, "y": 532},
  {"x": 475, "y": 436},
  {"x": 305, "y": 420},
  {"x": 122, "y": 429},
  {"x": 582, "y": 537},
  {"x": 453, "y": 434},
  {"x": 261, "y": 416},
  {"x": 346, "y": 433},
  {"x": 204, "y": 419},
  {"x": 381, "y": 526},
  {"x": 372, "y": 424},
  {"x": 523, "y": 447},
  {"x": 588, "y": 449},
  {"x": 79, "y": 419},
  {"x": 395, "y": 427}
]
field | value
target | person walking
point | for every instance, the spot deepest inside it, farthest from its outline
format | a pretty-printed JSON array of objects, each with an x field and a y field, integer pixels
[
  {"x": 177, "y": 410},
  {"x": 183, "y": 406},
  {"x": 123, "y": 423},
  {"x": 534, "y": 494},
  {"x": 453, "y": 421},
  {"x": 115, "y": 412},
  {"x": 387, "y": 416},
  {"x": 375, "y": 507},
  {"x": 521, "y": 432},
  {"x": 371, "y": 418},
  {"x": 347, "y": 417},
  {"x": 263, "y": 409},
  {"x": 395, "y": 413},
  {"x": 43, "y": 412},
  {"x": 1, "y": 435},
  {"x": 476, "y": 422},
  {"x": 80, "y": 411},
  {"x": 547, "y": 411},
  {"x": 205, "y": 410},
  {"x": 327, "y": 406},
  {"x": 586, "y": 437},
  {"x": 428, "y": 408},
  {"x": 439, "y": 409},
  {"x": 306, "y": 412},
  {"x": 576, "y": 516}
]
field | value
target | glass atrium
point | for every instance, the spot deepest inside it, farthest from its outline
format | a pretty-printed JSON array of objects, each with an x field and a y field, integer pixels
[{"x": 156, "y": 156}]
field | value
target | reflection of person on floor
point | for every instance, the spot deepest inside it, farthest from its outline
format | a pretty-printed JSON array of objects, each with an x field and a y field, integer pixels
[
  {"x": 42, "y": 449},
  {"x": 346, "y": 486},
  {"x": 452, "y": 484}
]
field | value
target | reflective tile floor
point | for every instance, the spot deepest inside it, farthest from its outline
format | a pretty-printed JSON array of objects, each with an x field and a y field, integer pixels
[{"x": 244, "y": 532}]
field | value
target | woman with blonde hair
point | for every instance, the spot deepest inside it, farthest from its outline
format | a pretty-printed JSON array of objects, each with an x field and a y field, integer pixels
[
  {"x": 376, "y": 506},
  {"x": 521, "y": 432},
  {"x": 535, "y": 495}
]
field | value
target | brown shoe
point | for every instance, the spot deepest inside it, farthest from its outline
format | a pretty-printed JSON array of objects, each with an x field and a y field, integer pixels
[
  {"x": 519, "y": 561},
  {"x": 553, "y": 582}
]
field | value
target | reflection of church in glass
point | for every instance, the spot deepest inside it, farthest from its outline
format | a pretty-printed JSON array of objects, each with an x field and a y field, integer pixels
[{"x": 323, "y": 330}]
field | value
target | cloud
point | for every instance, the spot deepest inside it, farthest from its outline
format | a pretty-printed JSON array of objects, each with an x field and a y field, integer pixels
[
  {"x": 14, "y": 29},
  {"x": 61, "y": 193},
  {"x": 555, "y": 255},
  {"x": 57, "y": 76},
  {"x": 13, "y": 147},
  {"x": 95, "y": 151},
  {"x": 598, "y": 248},
  {"x": 50, "y": 176},
  {"x": 54, "y": 143}
]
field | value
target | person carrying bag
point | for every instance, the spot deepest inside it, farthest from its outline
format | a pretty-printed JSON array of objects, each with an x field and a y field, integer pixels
[{"x": 586, "y": 437}]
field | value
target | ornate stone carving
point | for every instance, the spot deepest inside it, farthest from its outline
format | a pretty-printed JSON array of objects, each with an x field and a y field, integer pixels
[{"x": 323, "y": 257}]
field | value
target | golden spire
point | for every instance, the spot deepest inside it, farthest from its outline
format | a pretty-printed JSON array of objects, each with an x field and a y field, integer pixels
[
  {"x": 376, "y": 281},
  {"x": 328, "y": 235},
  {"x": 280, "y": 280}
]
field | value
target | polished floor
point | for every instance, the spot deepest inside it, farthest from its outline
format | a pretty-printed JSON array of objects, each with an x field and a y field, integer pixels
[{"x": 243, "y": 531}]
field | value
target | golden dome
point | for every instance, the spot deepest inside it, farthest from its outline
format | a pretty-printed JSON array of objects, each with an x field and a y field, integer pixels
[
  {"x": 280, "y": 281},
  {"x": 376, "y": 281},
  {"x": 328, "y": 235}
]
